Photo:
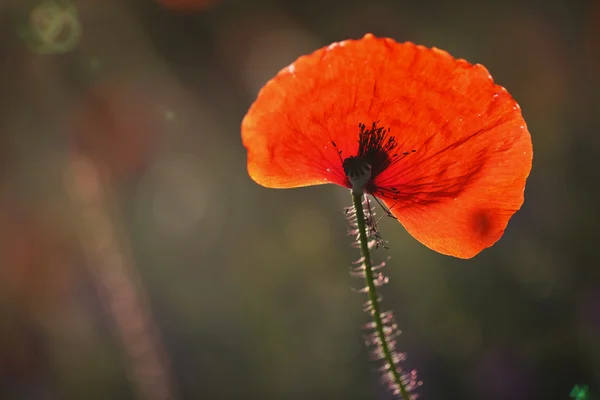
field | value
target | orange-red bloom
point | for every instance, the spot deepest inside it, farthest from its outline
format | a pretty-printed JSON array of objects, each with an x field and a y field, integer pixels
[{"x": 444, "y": 147}]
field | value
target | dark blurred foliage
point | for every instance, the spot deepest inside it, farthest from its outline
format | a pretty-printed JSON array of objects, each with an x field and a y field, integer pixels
[{"x": 249, "y": 287}]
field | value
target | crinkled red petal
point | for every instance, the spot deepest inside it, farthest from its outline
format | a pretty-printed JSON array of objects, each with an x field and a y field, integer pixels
[{"x": 455, "y": 193}]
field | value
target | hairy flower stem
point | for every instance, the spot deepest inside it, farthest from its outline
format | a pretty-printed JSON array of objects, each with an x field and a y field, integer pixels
[{"x": 383, "y": 342}]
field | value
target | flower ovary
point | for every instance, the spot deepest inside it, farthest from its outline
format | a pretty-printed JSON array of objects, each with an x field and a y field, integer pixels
[{"x": 358, "y": 172}]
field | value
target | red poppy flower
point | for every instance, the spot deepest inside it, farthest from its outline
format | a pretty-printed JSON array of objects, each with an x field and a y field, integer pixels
[{"x": 445, "y": 148}]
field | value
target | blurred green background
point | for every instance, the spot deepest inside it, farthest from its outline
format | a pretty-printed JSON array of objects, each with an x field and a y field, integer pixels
[{"x": 138, "y": 260}]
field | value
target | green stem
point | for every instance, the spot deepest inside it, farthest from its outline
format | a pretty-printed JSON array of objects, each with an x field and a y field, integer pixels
[{"x": 373, "y": 298}]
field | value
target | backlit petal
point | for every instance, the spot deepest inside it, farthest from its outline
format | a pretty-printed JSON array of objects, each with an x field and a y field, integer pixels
[{"x": 463, "y": 206}]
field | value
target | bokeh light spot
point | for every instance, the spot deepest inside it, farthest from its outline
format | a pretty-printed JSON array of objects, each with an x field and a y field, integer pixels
[{"x": 53, "y": 27}]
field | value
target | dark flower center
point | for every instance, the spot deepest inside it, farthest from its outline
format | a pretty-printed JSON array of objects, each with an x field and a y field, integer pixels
[
  {"x": 376, "y": 145},
  {"x": 376, "y": 152}
]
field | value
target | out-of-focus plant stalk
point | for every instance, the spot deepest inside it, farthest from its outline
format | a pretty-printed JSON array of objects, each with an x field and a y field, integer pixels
[{"x": 118, "y": 284}]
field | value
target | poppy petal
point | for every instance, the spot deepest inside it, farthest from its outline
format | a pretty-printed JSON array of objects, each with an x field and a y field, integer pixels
[
  {"x": 468, "y": 151},
  {"x": 463, "y": 206},
  {"x": 459, "y": 189}
]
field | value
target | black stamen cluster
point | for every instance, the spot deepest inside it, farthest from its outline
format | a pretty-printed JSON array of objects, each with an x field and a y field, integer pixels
[{"x": 376, "y": 145}]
